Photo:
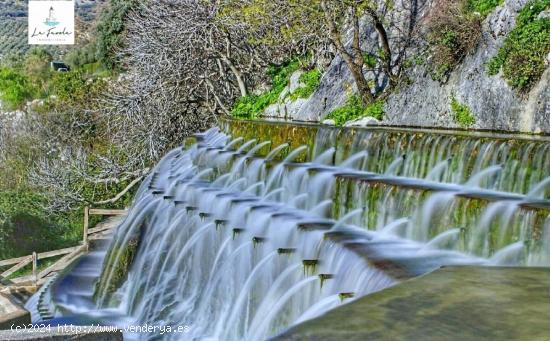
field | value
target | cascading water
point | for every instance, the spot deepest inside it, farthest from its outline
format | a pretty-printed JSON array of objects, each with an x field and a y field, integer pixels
[{"x": 239, "y": 246}]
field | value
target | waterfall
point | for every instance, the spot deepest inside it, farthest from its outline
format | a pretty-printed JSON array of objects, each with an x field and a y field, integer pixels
[{"x": 239, "y": 236}]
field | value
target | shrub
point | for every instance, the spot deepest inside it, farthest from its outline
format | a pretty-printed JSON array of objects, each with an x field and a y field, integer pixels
[
  {"x": 69, "y": 86},
  {"x": 311, "y": 80},
  {"x": 25, "y": 227},
  {"x": 110, "y": 29},
  {"x": 483, "y": 7},
  {"x": 522, "y": 57},
  {"x": 15, "y": 88},
  {"x": 462, "y": 113},
  {"x": 250, "y": 106},
  {"x": 354, "y": 109},
  {"x": 453, "y": 32}
]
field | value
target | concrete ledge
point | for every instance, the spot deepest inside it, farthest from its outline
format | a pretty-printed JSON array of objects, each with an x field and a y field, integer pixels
[
  {"x": 55, "y": 335},
  {"x": 12, "y": 313},
  {"x": 455, "y": 303}
]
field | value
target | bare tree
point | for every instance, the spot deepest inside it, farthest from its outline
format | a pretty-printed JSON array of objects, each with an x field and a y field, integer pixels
[
  {"x": 371, "y": 36},
  {"x": 187, "y": 61}
]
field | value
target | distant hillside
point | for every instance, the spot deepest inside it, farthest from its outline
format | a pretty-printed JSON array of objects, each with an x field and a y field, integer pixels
[{"x": 13, "y": 24}]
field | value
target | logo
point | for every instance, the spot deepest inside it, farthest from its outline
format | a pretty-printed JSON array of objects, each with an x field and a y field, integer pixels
[{"x": 51, "y": 22}]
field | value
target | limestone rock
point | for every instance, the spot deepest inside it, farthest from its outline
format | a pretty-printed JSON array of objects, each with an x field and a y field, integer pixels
[
  {"x": 363, "y": 122},
  {"x": 294, "y": 83},
  {"x": 426, "y": 102},
  {"x": 544, "y": 14}
]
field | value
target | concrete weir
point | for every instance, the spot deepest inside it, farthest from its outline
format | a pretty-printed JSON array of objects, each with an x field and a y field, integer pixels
[
  {"x": 253, "y": 229},
  {"x": 454, "y": 303}
]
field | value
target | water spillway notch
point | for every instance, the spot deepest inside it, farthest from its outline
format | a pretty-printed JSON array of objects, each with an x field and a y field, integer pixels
[
  {"x": 310, "y": 265},
  {"x": 204, "y": 215},
  {"x": 324, "y": 277},
  {"x": 315, "y": 226},
  {"x": 286, "y": 251},
  {"x": 345, "y": 295},
  {"x": 258, "y": 240},
  {"x": 220, "y": 222},
  {"x": 237, "y": 231}
]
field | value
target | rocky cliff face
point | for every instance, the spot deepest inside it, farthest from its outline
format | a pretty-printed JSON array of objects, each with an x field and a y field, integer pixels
[
  {"x": 426, "y": 103},
  {"x": 495, "y": 105}
]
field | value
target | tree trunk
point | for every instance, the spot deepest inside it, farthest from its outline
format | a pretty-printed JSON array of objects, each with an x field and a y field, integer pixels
[
  {"x": 238, "y": 75},
  {"x": 355, "y": 61},
  {"x": 384, "y": 41},
  {"x": 362, "y": 84}
]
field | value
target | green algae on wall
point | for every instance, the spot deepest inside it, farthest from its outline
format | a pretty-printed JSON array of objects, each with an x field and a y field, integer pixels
[
  {"x": 278, "y": 134},
  {"x": 464, "y": 303},
  {"x": 384, "y": 203},
  {"x": 522, "y": 161},
  {"x": 119, "y": 270}
]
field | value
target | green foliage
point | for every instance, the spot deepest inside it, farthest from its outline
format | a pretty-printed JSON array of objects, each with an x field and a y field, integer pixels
[
  {"x": 69, "y": 86},
  {"x": 370, "y": 60},
  {"x": 280, "y": 75},
  {"x": 13, "y": 26},
  {"x": 15, "y": 88},
  {"x": 462, "y": 113},
  {"x": 37, "y": 68},
  {"x": 310, "y": 81},
  {"x": 354, "y": 109},
  {"x": 522, "y": 57},
  {"x": 65, "y": 120},
  {"x": 484, "y": 7},
  {"x": 250, "y": 106},
  {"x": 32, "y": 78},
  {"x": 25, "y": 227},
  {"x": 13, "y": 36},
  {"x": 110, "y": 29},
  {"x": 453, "y": 32},
  {"x": 80, "y": 57}
]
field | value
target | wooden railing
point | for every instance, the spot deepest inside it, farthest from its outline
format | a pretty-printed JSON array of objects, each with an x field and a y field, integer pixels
[{"x": 38, "y": 277}]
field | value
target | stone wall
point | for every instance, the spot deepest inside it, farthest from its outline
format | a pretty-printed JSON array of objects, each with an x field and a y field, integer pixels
[{"x": 495, "y": 105}]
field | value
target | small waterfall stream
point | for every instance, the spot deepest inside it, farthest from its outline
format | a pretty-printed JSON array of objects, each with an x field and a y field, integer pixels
[{"x": 240, "y": 238}]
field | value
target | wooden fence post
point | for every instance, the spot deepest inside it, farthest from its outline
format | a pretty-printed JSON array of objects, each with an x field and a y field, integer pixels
[
  {"x": 34, "y": 268},
  {"x": 86, "y": 225}
]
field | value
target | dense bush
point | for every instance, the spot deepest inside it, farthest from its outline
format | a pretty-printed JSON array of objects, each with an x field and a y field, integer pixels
[
  {"x": 522, "y": 59},
  {"x": 25, "y": 227},
  {"x": 484, "y": 7},
  {"x": 13, "y": 36},
  {"x": 453, "y": 32},
  {"x": 36, "y": 156},
  {"x": 462, "y": 114},
  {"x": 250, "y": 106},
  {"x": 354, "y": 109},
  {"x": 310, "y": 81},
  {"x": 110, "y": 27},
  {"x": 15, "y": 88}
]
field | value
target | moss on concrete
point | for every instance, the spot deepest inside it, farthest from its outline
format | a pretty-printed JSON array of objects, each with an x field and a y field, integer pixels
[{"x": 459, "y": 303}]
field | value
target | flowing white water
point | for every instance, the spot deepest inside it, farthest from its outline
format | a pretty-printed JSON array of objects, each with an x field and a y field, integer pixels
[{"x": 239, "y": 247}]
